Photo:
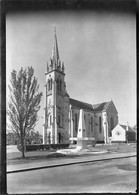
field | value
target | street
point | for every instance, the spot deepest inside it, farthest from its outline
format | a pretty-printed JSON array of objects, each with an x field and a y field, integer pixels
[{"x": 117, "y": 175}]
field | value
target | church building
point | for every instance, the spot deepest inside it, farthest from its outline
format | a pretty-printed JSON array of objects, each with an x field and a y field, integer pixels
[{"x": 62, "y": 112}]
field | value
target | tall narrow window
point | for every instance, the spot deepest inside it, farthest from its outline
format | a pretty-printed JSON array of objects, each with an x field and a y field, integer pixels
[
  {"x": 60, "y": 85},
  {"x": 76, "y": 123},
  {"x": 91, "y": 124},
  {"x": 59, "y": 120},
  {"x": 85, "y": 119},
  {"x": 48, "y": 84},
  {"x": 111, "y": 125},
  {"x": 50, "y": 119},
  {"x": 100, "y": 127},
  {"x": 51, "y": 84}
]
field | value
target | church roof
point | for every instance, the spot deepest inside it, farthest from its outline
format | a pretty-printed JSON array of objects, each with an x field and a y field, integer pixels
[
  {"x": 101, "y": 106},
  {"x": 81, "y": 105},
  {"x": 129, "y": 128}
]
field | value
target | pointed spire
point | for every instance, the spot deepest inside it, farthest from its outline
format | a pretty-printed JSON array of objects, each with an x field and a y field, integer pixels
[{"x": 55, "y": 52}]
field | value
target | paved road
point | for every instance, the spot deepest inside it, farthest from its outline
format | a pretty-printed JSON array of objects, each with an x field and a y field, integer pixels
[{"x": 117, "y": 175}]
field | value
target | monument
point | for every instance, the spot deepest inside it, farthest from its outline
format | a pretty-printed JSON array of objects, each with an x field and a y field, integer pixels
[
  {"x": 81, "y": 139},
  {"x": 81, "y": 135}
]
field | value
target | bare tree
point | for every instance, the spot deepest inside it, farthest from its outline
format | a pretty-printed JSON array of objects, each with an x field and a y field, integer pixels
[{"x": 24, "y": 103}]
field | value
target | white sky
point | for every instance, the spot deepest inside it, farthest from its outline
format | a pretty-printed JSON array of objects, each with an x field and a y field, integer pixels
[{"x": 98, "y": 49}]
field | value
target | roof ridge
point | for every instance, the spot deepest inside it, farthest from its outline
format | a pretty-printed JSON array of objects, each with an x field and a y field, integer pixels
[
  {"x": 102, "y": 106},
  {"x": 101, "y": 103},
  {"x": 81, "y": 101}
]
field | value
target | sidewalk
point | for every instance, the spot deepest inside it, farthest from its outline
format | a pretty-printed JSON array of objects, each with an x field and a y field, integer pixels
[{"x": 49, "y": 163}]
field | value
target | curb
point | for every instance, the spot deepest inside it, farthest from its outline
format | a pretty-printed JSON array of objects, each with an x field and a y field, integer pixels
[{"x": 66, "y": 164}]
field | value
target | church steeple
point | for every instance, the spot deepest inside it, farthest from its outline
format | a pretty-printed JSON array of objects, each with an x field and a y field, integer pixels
[
  {"x": 55, "y": 63},
  {"x": 56, "y": 120},
  {"x": 55, "y": 52}
]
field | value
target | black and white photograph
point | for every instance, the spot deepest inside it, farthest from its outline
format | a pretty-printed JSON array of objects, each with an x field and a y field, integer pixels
[{"x": 71, "y": 121}]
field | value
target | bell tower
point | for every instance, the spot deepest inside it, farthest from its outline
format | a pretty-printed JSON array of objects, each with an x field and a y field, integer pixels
[{"x": 56, "y": 99}]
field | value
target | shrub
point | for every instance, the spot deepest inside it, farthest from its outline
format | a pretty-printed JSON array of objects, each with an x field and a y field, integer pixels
[
  {"x": 36, "y": 147},
  {"x": 59, "y": 146},
  {"x": 131, "y": 136}
]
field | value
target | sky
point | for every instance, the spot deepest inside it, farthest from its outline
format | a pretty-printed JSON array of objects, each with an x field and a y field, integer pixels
[{"x": 97, "y": 48}]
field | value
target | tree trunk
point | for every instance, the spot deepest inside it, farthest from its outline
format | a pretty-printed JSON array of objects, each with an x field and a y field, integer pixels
[{"x": 23, "y": 148}]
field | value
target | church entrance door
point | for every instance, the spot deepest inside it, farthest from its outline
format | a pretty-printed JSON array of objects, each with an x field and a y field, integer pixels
[{"x": 59, "y": 136}]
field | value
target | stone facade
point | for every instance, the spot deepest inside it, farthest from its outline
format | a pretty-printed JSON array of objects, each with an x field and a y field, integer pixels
[
  {"x": 62, "y": 112},
  {"x": 56, "y": 100},
  {"x": 106, "y": 118}
]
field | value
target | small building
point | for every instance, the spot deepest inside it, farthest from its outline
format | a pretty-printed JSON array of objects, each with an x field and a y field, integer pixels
[
  {"x": 34, "y": 138},
  {"x": 11, "y": 138},
  {"x": 123, "y": 133}
]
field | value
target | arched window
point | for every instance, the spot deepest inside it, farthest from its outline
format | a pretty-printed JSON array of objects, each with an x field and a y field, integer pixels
[
  {"x": 76, "y": 123},
  {"x": 100, "y": 125}
]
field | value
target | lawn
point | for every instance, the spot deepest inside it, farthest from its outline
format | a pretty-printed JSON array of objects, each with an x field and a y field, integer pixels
[{"x": 49, "y": 155}]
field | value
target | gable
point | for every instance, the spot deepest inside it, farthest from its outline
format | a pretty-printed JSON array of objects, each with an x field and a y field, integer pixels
[
  {"x": 123, "y": 126},
  {"x": 105, "y": 106},
  {"x": 111, "y": 108},
  {"x": 129, "y": 128},
  {"x": 118, "y": 128}
]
